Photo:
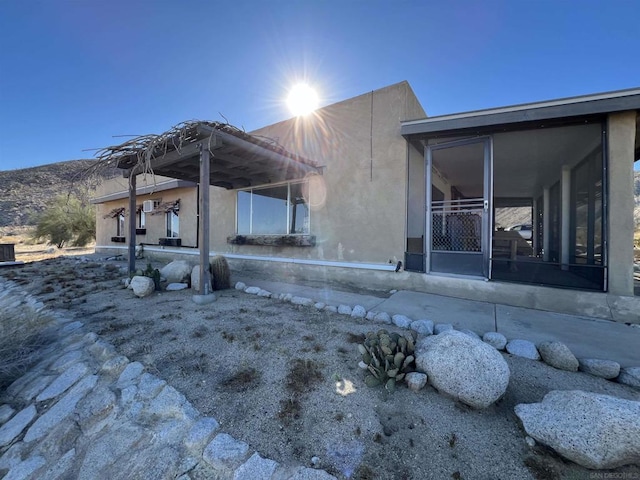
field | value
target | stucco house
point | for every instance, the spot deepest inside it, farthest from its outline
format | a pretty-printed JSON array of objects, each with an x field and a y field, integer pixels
[{"x": 350, "y": 191}]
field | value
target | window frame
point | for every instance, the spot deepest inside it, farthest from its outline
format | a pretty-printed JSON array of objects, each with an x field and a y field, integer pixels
[
  {"x": 171, "y": 216},
  {"x": 120, "y": 225},
  {"x": 303, "y": 183}
]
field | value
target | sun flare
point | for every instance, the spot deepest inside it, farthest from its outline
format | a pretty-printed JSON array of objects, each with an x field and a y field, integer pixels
[{"x": 302, "y": 99}]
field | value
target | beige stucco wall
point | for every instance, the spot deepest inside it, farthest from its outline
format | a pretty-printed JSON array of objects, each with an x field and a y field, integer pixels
[
  {"x": 358, "y": 142},
  {"x": 621, "y": 135},
  {"x": 155, "y": 223}
]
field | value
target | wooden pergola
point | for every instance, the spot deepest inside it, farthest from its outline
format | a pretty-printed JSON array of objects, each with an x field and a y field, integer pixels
[{"x": 208, "y": 153}]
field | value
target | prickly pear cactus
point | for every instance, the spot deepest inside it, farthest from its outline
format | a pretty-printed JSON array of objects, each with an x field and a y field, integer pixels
[
  {"x": 220, "y": 273},
  {"x": 388, "y": 357}
]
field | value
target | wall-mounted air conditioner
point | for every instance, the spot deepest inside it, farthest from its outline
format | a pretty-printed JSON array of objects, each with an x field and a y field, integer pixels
[{"x": 147, "y": 206}]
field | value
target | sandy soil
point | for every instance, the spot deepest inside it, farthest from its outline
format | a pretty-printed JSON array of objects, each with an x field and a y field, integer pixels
[{"x": 285, "y": 380}]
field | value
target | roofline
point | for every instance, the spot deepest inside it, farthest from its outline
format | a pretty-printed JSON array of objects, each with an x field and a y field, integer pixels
[
  {"x": 149, "y": 189},
  {"x": 583, "y": 105}
]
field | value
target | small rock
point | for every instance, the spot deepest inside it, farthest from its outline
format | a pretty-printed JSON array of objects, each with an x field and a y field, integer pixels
[
  {"x": 530, "y": 441},
  {"x": 371, "y": 315},
  {"x": 362, "y": 365},
  {"x": 382, "y": 317},
  {"x": 241, "y": 286},
  {"x": 344, "y": 310},
  {"x": 423, "y": 327},
  {"x": 304, "y": 301},
  {"x": 630, "y": 376},
  {"x": 416, "y": 381},
  {"x": 331, "y": 309},
  {"x": 442, "y": 327},
  {"x": 401, "y": 321},
  {"x": 252, "y": 290},
  {"x": 393, "y": 291},
  {"x": 358, "y": 312},
  {"x": 200, "y": 434},
  {"x": 66, "y": 379},
  {"x": 599, "y": 368},
  {"x": 256, "y": 468},
  {"x": 315, "y": 461},
  {"x": 225, "y": 452},
  {"x": 558, "y": 355},
  {"x": 523, "y": 348},
  {"x": 471, "y": 333},
  {"x": 319, "y": 305},
  {"x": 16, "y": 425},
  {"x": 495, "y": 339},
  {"x": 173, "y": 287},
  {"x": 265, "y": 293},
  {"x": 5, "y": 413}
]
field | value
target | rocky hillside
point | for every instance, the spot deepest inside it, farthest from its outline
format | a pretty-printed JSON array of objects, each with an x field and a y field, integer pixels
[{"x": 26, "y": 192}]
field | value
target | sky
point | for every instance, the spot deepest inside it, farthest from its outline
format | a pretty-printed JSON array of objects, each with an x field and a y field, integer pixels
[{"x": 76, "y": 75}]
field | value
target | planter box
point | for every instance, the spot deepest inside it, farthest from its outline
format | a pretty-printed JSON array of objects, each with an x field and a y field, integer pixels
[
  {"x": 119, "y": 239},
  {"x": 274, "y": 240},
  {"x": 170, "y": 242},
  {"x": 141, "y": 231}
]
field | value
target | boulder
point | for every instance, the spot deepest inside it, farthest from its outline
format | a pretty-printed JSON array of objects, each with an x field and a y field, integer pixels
[
  {"x": 358, "y": 312},
  {"x": 523, "y": 348},
  {"x": 463, "y": 367},
  {"x": 630, "y": 376},
  {"x": 178, "y": 271},
  {"x": 172, "y": 287},
  {"x": 495, "y": 339},
  {"x": 600, "y": 368},
  {"x": 142, "y": 286},
  {"x": 558, "y": 355},
  {"x": 344, "y": 309},
  {"x": 596, "y": 431},
  {"x": 382, "y": 317},
  {"x": 422, "y": 326}
]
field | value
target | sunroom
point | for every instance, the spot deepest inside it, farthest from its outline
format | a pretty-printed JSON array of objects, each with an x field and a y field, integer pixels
[{"x": 522, "y": 194}]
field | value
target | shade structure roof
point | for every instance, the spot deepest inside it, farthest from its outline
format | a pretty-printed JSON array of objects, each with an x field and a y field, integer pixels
[{"x": 237, "y": 159}]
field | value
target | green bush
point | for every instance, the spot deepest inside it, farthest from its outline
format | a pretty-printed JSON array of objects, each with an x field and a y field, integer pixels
[{"x": 67, "y": 221}]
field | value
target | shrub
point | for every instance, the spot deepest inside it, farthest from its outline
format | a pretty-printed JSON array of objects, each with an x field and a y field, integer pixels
[{"x": 67, "y": 220}]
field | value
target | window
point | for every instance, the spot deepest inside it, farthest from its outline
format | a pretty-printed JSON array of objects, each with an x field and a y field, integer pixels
[
  {"x": 173, "y": 224},
  {"x": 279, "y": 210},
  {"x": 120, "y": 225},
  {"x": 142, "y": 219}
]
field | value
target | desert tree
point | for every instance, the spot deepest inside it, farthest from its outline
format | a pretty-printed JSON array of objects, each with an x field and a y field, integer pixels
[{"x": 68, "y": 220}]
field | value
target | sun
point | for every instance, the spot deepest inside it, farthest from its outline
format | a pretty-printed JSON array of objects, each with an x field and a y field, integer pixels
[{"x": 302, "y": 99}]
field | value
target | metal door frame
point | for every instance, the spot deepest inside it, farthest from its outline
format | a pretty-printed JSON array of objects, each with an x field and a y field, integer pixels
[{"x": 487, "y": 217}]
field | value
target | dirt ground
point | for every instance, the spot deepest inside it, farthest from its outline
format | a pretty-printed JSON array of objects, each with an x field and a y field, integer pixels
[{"x": 285, "y": 379}]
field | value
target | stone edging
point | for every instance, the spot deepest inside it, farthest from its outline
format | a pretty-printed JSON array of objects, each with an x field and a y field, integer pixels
[
  {"x": 83, "y": 411},
  {"x": 555, "y": 354}
]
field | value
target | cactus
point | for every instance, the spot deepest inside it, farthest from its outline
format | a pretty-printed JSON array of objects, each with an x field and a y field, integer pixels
[
  {"x": 388, "y": 356},
  {"x": 220, "y": 273}
]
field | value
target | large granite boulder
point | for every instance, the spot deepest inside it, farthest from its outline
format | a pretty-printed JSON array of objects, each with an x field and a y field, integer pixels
[
  {"x": 463, "y": 367},
  {"x": 596, "y": 431},
  {"x": 142, "y": 286},
  {"x": 558, "y": 355},
  {"x": 178, "y": 271}
]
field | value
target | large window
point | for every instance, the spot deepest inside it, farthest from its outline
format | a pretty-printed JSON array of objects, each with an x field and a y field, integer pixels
[
  {"x": 279, "y": 210},
  {"x": 173, "y": 224}
]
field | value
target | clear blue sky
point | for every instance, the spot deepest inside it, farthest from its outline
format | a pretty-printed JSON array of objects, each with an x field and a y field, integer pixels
[{"x": 75, "y": 73}]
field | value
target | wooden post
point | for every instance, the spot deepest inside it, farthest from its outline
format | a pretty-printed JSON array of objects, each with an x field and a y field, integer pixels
[
  {"x": 132, "y": 220},
  {"x": 203, "y": 239}
]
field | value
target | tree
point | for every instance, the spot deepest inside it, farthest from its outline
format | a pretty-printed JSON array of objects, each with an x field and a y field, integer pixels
[{"x": 67, "y": 220}]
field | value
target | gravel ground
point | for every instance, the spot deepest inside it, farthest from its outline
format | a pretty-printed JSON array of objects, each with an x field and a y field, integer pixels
[{"x": 285, "y": 380}]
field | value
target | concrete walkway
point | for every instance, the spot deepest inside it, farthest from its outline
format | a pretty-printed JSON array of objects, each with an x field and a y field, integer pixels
[{"x": 586, "y": 337}]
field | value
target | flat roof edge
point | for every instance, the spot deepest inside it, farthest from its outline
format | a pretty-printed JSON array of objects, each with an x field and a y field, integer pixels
[
  {"x": 573, "y": 107},
  {"x": 149, "y": 189}
]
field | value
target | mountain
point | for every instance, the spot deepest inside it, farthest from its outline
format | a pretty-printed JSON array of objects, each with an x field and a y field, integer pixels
[{"x": 26, "y": 192}]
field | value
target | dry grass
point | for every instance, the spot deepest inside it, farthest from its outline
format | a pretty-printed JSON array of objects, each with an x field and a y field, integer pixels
[
  {"x": 21, "y": 334},
  {"x": 28, "y": 250}
]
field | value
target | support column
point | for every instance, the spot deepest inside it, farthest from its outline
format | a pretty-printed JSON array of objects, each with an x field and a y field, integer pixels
[
  {"x": 621, "y": 134},
  {"x": 565, "y": 219},
  {"x": 546, "y": 243},
  {"x": 203, "y": 238},
  {"x": 132, "y": 220}
]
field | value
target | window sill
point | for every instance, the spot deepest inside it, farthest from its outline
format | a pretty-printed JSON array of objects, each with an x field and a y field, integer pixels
[
  {"x": 170, "y": 242},
  {"x": 119, "y": 239},
  {"x": 273, "y": 240},
  {"x": 141, "y": 231}
]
